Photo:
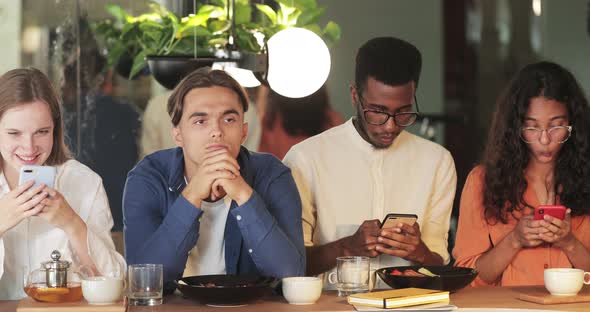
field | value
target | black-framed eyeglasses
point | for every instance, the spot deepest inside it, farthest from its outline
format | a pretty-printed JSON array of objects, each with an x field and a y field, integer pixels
[
  {"x": 401, "y": 119},
  {"x": 558, "y": 134}
]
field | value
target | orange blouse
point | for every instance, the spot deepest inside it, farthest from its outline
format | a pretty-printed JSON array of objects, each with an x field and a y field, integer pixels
[{"x": 475, "y": 236}]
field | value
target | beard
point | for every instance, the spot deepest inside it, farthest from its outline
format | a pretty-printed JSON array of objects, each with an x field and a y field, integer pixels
[{"x": 360, "y": 125}]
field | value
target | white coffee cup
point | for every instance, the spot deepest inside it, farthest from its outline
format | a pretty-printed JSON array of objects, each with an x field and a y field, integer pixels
[
  {"x": 302, "y": 290},
  {"x": 565, "y": 281},
  {"x": 102, "y": 290}
]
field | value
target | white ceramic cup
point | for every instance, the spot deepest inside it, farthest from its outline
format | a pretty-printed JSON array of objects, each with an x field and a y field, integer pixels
[
  {"x": 302, "y": 290},
  {"x": 565, "y": 281},
  {"x": 102, "y": 290}
]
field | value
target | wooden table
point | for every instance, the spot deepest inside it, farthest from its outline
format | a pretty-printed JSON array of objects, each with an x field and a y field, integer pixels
[{"x": 484, "y": 297}]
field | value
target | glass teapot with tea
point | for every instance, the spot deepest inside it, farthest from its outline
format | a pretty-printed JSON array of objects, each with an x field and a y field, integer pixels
[{"x": 54, "y": 281}]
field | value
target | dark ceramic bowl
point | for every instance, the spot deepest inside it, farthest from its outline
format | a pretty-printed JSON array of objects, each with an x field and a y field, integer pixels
[
  {"x": 169, "y": 70},
  {"x": 226, "y": 289},
  {"x": 449, "y": 279}
]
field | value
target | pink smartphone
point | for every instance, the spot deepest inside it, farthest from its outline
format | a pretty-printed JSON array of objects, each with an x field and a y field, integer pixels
[{"x": 556, "y": 211}]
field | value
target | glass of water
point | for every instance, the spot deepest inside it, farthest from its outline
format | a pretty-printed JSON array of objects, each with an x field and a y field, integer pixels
[
  {"x": 352, "y": 275},
  {"x": 145, "y": 284}
]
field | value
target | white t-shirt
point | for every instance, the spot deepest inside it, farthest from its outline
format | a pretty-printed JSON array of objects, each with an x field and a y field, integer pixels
[
  {"x": 31, "y": 242},
  {"x": 343, "y": 180},
  {"x": 208, "y": 255}
]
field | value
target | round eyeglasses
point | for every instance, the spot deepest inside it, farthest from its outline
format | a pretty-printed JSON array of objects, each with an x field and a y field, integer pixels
[
  {"x": 401, "y": 119},
  {"x": 558, "y": 134}
]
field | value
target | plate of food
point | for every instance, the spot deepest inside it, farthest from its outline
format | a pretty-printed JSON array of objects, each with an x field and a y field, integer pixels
[
  {"x": 447, "y": 278},
  {"x": 226, "y": 289}
]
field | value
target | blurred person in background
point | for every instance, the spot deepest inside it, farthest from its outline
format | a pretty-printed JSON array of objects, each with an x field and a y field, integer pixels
[
  {"x": 288, "y": 121},
  {"x": 109, "y": 128}
]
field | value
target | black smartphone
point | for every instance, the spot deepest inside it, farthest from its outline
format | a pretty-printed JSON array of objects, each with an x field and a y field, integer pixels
[{"x": 392, "y": 219}]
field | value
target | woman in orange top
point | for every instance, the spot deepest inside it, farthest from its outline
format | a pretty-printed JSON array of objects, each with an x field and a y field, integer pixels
[{"x": 538, "y": 153}]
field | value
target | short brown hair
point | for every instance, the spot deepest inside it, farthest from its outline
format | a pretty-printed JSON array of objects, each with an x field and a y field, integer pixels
[
  {"x": 25, "y": 85},
  {"x": 204, "y": 77}
]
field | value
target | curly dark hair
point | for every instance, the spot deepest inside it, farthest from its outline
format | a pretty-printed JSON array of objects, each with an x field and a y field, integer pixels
[{"x": 507, "y": 156}]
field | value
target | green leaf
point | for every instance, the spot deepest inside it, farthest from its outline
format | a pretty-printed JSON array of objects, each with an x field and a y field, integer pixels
[
  {"x": 331, "y": 33},
  {"x": 246, "y": 41},
  {"x": 314, "y": 28},
  {"x": 115, "y": 52},
  {"x": 217, "y": 42},
  {"x": 192, "y": 31},
  {"x": 211, "y": 11},
  {"x": 186, "y": 46},
  {"x": 305, "y": 5},
  {"x": 149, "y": 25},
  {"x": 301, "y": 5},
  {"x": 154, "y": 36},
  {"x": 206, "y": 9},
  {"x": 293, "y": 17},
  {"x": 284, "y": 14},
  {"x": 196, "y": 20},
  {"x": 158, "y": 8},
  {"x": 118, "y": 12},
  {"x": 219, "y": 3},
  {"x": 128, "y": 28},
  {"x": 310, "y": 16},
  {"x": 219, "y": 27},
  {"x": 138, "y": 64},
  {"x": 268, "y": 11},
  {"x": 286, "y": 3},
  {"x": 173, "y": 18},
  {"x": 243, "y": 13}
]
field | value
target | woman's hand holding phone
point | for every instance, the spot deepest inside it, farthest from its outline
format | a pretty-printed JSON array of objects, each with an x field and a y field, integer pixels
[
  {"x": 527, "y": 231},
  {"x": 58, "y": 212},
  {"x": 558, "y": 232},
  {"x": 20, "y": 203}
]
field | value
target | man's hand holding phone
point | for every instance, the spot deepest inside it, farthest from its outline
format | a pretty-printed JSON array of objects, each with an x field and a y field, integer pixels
[
  {"x": 404, "y": 241},
  {"x": 401, "y": 237},
  {"x": 364, "y": 241}
]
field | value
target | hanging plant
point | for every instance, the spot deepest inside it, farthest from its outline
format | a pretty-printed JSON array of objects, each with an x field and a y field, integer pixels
[{"x": 162, "y": 33}]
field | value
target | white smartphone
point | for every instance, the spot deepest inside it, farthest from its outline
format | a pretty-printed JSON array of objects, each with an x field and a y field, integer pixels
[{"x": 39, "y": 174}]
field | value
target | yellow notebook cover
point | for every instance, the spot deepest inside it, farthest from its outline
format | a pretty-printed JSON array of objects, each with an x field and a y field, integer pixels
[{"x": 396, "y": 298}]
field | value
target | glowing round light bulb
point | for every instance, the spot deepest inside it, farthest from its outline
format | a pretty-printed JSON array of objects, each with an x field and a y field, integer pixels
[{"x": 298, "y": 62}]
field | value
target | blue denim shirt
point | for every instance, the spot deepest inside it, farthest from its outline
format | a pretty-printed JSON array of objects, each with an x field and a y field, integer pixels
[{"x": 264, "y": 236}]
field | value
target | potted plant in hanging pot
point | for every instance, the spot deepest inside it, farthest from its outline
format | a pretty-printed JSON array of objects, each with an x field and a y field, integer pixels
[{"x": 217, "y": 32}]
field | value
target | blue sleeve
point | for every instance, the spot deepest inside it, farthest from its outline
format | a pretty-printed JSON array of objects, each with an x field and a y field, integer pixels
[
  {"x": 272, "y": 230},
  {"x": 151, "y": 236}
]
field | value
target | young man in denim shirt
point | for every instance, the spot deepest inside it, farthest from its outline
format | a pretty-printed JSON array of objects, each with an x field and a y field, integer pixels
[{"x": 210, "y": 206}]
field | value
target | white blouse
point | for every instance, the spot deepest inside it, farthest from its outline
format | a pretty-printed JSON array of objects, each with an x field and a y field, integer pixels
[{"x": 31, "y": 242}]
